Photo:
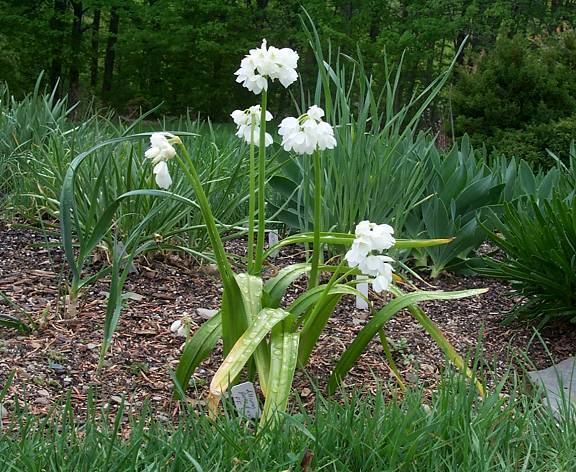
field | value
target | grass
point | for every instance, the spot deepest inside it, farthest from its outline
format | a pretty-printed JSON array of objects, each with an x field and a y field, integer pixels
[{"x": 457, "y": 431}]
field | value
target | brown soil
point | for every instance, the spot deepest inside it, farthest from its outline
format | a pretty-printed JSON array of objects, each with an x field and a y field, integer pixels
[{"x": 61, "y": 355}]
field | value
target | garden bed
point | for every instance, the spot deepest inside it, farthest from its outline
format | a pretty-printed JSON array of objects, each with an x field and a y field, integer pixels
[{"x": 61, "y": 355}]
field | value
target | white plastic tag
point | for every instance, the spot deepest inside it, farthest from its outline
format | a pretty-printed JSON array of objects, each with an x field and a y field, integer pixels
[
  {"x": 362, "y": 287},
  {"x": 245, "y": 399},
  {"x": 273, "y": 239}
]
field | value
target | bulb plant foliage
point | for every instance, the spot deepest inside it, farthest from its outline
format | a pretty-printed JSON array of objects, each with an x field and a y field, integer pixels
[{"x": 256, "y": 329}]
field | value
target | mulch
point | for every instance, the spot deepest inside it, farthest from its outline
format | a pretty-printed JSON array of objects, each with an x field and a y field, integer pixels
[{"x": 59, "y": 359}]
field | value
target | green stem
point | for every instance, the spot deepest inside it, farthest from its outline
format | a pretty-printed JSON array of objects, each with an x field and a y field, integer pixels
[
  {"x": 217, "y": 245},
  {"x": 314, "y": 276},
  {"x": 251, "y": 204},
  {"x": 261, "y": 187}
]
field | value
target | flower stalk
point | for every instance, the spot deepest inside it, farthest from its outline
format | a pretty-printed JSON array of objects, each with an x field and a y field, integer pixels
[
  {"x": 251, "y": 202},
  {"x": 316, "y": 248},
  {"x": 261, "y": 187}
]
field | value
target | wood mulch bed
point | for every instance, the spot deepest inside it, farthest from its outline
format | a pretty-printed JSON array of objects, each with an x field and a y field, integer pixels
[{"x": 61, "y": 356}]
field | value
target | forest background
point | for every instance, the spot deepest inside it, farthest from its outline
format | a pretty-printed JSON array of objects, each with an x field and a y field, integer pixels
[{"x": 513, "y": 91}]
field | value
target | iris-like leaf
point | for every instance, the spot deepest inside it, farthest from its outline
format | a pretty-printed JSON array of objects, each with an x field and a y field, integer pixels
[
  {"x": 241, "y": 352},
  {"x": 284, "y": 354},
  {"x": 355, "y": 350},
  {"x": 197, "y": 349}
]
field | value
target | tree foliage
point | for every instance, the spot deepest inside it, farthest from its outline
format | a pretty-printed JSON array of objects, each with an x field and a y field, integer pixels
[{"x": 138, "y": 53}]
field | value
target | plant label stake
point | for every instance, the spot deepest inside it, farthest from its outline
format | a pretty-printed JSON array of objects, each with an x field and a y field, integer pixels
[
  {"x": 245, "y": 400},
  {"x": 273, "y": 239},
  {"x": 362, "y": 287}
]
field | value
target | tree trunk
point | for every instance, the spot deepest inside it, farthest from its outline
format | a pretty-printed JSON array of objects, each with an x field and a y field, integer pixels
[
  {"x": 94, "y": 46},
  {"x": 57, "y": 26},
  {"x": 110, "y": 51},
  {"x": 75, "y": 48}
]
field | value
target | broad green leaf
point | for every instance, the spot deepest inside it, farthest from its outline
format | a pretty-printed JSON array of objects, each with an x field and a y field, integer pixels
[
  {"x": 284, "y": 354},
  {"x": 251, "y": 290},
  {"x": 314, "y": 324},
  {"x": 299, "y": 306},
  {"x": 275, "y": 288},
  {"x": 197, "y": 349},
  {"x": 402, "y": 301},
  {"x": 241, "y": 352}
]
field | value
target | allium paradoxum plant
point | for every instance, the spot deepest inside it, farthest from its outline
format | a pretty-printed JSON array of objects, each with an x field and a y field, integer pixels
[{"x": 253, "y": 324}]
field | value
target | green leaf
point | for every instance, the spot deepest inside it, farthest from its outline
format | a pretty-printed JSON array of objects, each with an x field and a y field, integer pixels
[
  {"x": 284, "y": 354},
  {"x": 197, "y": 349},
  {"x": 276, "y": 287},
  {"x": 242, "y": 351},
  {"x": 251, "y": 290},
  {"x": 354, "y": 351}
]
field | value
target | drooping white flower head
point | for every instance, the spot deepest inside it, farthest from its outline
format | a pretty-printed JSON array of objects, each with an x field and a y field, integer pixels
[
  {"x": 160, "y": 151},
  {"x": 371, "y": 237},
  {"x": 265, "y": 63},
  {"x": 179, "y": 329},
  {"x": 378, "y": 237},
  {"x": 248, "y": 123},
  {"x": 307, "y": 133}
]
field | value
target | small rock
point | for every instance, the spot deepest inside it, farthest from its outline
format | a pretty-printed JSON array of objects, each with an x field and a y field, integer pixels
[
  {"x": 91, "y": 346},
  {"x": 43, "y": 393},
  {"x": 119, "y": 400},
  {"x": 42, "y": 401},
  {"x": 306, "y": 392},
  {"x": 206, "y": 313},
  {"x": 3, "y": 412},
  {"x": 56, "y": 367}
]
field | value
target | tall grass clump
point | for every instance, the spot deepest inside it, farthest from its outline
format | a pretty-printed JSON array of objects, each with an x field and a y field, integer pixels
[
  {"x": 454, "y": 430},
  {"x": 375, "y": 172}
]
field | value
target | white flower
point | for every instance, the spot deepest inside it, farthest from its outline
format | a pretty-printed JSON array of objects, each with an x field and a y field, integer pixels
[
  {"x": 160, "y": 151},
  {"x": 163, "y": 179},
  {"x": 377, "y": 237},
  {"x": 179, "y": 328},
  {"x": 248, "y": 119},
  {"x": 160, "y": 148},
  {"x": 371, "y": 237},
  {"x": 307, "y": 133},
  {"x": 265, "y": 63}
]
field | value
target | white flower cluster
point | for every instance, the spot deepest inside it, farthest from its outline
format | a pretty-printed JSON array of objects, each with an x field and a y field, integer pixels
[
  {"x": 264, "y": 63},
  {"x": 160, "y": 151},
  {"x": 307, "y": 133},
  {"x": 371, "y": 237},
  {"x": 248, "y": 119}
]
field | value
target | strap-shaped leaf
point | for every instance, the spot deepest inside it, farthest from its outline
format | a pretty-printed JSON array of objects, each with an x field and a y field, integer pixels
[
  {"x": 197, "y": 349},
  {"x": 284, "y": 349},
  {"x": 275, "y": 288},
  {"x": 241, "y": 352},
  {"x": 346, "y": 239},
  {"x": 251, "y": 288},
  {"x": 314, "y": 325},
  {"x": 308, "y": 298},
  {"x": 402, "y": 301}
]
